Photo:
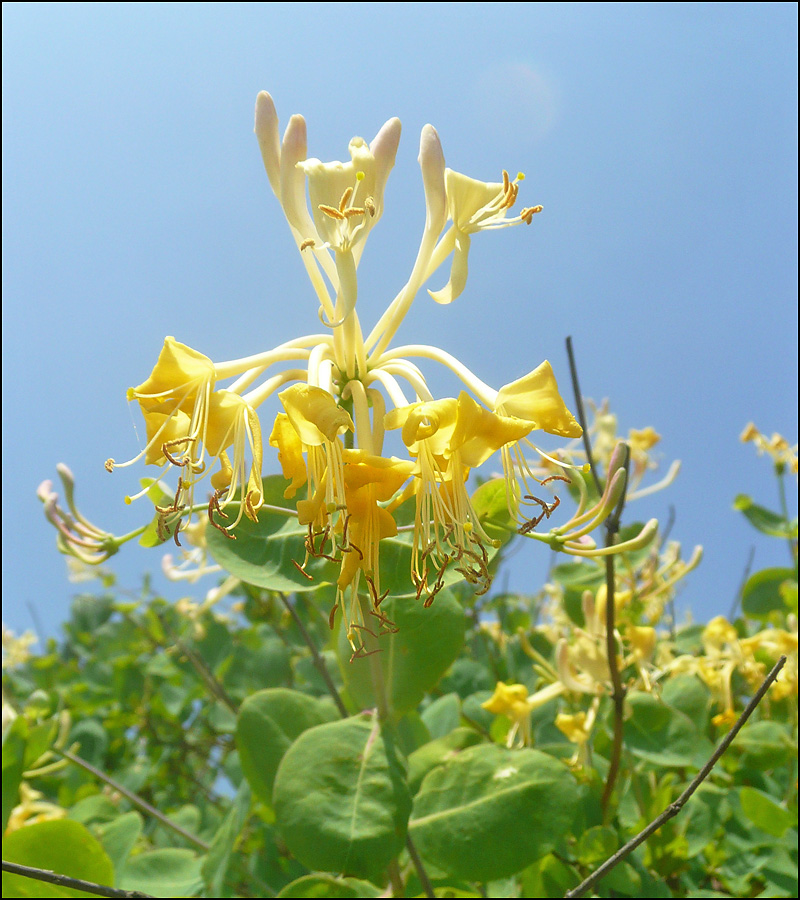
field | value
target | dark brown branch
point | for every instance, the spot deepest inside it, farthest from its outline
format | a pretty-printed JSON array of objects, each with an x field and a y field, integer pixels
[
  {"x": 79, "y": 884},
  {"x": 618, "y": 690},
  {"x": 576, "y": 389},
  {"x": 135, "y": 799},
  {"x": 674, "y": 808}
]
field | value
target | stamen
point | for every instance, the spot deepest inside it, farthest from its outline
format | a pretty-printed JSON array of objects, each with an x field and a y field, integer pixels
[
  {"x": 527, "y": 214},
  {"x": 308, "y": 242},
  {"x": 109, "y": 465},
  {"x": 305, "y": 574},
  {"x": 369, "y": 205},
  {"x": 354, "y": 211},
  {"x": 348, "y": 193},
  {"x": 331, "y": 211}
]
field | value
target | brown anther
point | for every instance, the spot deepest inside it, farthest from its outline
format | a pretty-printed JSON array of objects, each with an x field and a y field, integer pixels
[
  {"x": 331, "y": 211},
  {"x": 214, "y": 507},
  {"x": 332, "y": 613},
  {"x": 308, "y": 242},
  {"x": 547, "y": 511},
  {"x": 369, "y": 205},
  {"x": 376, "y": 599},
  {"x": 361, "y": 653},
  {"x": 354, "y": 211},
  {"x": 506, "y": 181},
  {"x": 109, "y": 465},
  {"x": 386, "y": 623},
  {"x": 555, "y": 478},
  {"x": 303, "y": 572}
]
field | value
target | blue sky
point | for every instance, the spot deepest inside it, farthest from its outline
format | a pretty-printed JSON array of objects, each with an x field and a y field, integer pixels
[{"x": 661, "y": 140}]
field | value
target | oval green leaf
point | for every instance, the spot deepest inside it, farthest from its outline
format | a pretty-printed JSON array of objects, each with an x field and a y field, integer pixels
[
  {"x": 62, "y": 846},
  {"x": 328, "y": 886},
  {"x": 761, "y": 594},
  {"x": 268, "y": 723},
  {"x": 340, "y": 797},
  {"x": 413, "y": 658},
  {"x": 490, "y": 812}
]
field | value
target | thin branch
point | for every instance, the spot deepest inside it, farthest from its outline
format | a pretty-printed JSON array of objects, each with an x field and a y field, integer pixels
[
  {"x": 135, "y": 799},
  {"x": 674, "y": 808},
  {"x": 319, "y": 662},
  {"x": 576, "y": 389},
  {"x": 427, "y": 887},
  {"x": 745, "y": 575},
  {"x": 618, "y": 690},
  {"x": 66, "y": 881},
  {"x": 213, "y": 685}
]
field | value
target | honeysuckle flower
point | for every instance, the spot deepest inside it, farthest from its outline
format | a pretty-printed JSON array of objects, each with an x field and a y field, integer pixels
[
  {"x": 448, "y": 438},
  {"x": 77, "y": 536},
  {"x": 777, "y": 447},
  {"x": 16, "y": 648},
  {"x": 339, "y": 392},
  {"x": 514, "y": 702},
  {"x": 475, "y": 206}
]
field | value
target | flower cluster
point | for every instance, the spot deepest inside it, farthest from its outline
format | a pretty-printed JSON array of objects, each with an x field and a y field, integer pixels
[{"x": 341, "y": 390}]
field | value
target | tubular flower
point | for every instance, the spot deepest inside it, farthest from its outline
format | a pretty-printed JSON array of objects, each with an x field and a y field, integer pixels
[
  {"x": 448, "y": 438},
  {"x": 512, "y": 701},
  {"x": 475, "y": 206},
  {"x": 317, "y": 422}
]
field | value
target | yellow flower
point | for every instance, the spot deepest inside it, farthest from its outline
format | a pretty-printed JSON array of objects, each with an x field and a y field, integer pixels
[
  {"x": 573, "y": 725},
  {"x": 368, "y": 481},
  {"x": 536, "y": 399},
  {"x": 318, "y": 421},
  {"x": 448, "y": 438},
  {"x": 513, "y": 702},
  {"x": 475, "y": 206}
]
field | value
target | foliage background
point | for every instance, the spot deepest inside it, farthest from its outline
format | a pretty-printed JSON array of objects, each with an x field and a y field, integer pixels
[{"x": 660, "y": 138}]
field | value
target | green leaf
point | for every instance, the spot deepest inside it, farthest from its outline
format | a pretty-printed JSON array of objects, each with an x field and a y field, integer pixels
[
  {"x": 596, "y": 845},
  {"x": 414, "y": 658},
  {"x": 62, "y": 846},
  {"x": 341, "y": 799},
  {"x": 268, "y": 723},
  {"x": 14, "y": 743},
  {"x": 688, "y": 694},
  {"x": 438, "y": 751},
  {"x": 660, "y": 734},
  {"x": 764, "y": 812},
  {"x": 217, "y": 861},
  {"x": 765, "y": 745},
  {"x": 548, "y": 877},
  {"x": 328, "y": 886},
  {"x": 490, "y": 811},
  {"x": 119, "y": 836},
  {"x": 766, "y": 521},
  {"x": 491, "y": 507},
  {"x": 171, "y": 872},
  {"x": 443, "y": 715},
  {"x": 761, "y": 594}
]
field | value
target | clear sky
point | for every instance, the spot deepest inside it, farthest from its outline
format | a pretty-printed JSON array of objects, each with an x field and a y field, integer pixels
[{"x": 661, "y": 140}]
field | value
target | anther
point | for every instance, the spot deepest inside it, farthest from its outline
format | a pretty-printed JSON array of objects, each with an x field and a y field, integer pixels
[
  {"x": 348, "y": 193},
  {"x": 331, "y": 211},
  {"x": 308, "y": 242},
  {"x": 109, "y": 465}
]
